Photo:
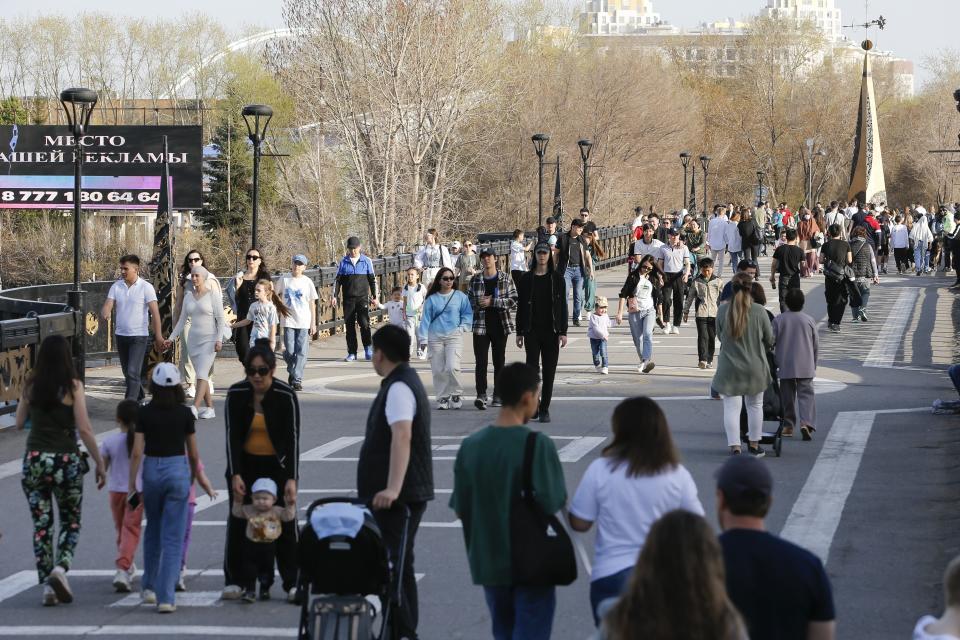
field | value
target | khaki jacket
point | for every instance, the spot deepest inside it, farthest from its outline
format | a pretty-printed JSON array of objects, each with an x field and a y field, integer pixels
[{"x": 705, "y": 293}]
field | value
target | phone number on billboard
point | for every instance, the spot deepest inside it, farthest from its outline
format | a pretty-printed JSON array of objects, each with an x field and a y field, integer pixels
[{"x": 10, "y": 197}]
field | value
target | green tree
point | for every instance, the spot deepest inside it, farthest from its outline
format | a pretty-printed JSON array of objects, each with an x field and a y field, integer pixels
[
  {"x": 12, "y": 111},
  {"x": 229, "y": 175}
]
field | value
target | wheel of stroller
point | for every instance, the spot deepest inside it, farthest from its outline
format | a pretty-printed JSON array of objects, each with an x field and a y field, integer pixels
[{"x": 777, "y": 442}]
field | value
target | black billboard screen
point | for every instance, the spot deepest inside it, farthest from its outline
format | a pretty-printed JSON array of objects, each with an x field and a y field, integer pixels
[{"x": 121, "y": 167}]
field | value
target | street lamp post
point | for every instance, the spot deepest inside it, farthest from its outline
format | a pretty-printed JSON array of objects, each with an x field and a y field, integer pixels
[
  {"x": 819, "y": 154},
  {"x": 685, "y": 161},
  {"x": 705, "y": 163},
  {"x": 254, "y": 115},
  {"x": 585, "y": 148},
  {"x": 759, "y": 188},
  {"x": 540, "y": 141},
  {"x": 78, "y": 103}
]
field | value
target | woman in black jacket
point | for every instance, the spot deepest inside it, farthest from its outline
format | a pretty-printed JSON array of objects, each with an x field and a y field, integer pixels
[
  {"x": 263, "y": 434},
  {"x": 542, "y": 321}
]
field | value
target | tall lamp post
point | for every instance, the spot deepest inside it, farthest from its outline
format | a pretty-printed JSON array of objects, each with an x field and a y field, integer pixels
[
  {"x": 685, "y": 161},
  {"x": 585, "y": 147},
  {"x": 819, "y": 154},
  {"x": 256, "y": 115},
  {"x": 540, "y": 141},
  {"x": 78, "y": 103},
  {"x": 705, "y": 163},
  {"x": 759, "y": 188}
]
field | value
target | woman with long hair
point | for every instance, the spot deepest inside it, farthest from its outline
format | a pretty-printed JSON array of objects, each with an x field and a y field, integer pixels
[
  {"x": 263, "y": 441},
  {"x": 194, "y": 258},
  {"x": 807, "y": 229},
  {"x": 446, "y": 315},
  {"x": 637, "y": 480},
  {"x": 203, "y": 308},
  {"x": 166, "y": 443},
  {"x": 678, "y": 588},
  {"x": 641, "y": 292},
  {"x": 595, "y": 249},
  {"x": 53, "y": 466},
  {"x": 241, "y": 294},
  {"x": 743, "y": 372}
]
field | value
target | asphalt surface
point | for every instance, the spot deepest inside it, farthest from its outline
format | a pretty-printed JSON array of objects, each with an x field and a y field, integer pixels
[{"x": 875, "y": 492}]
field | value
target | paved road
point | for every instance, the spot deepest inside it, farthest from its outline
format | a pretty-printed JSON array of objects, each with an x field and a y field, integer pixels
[{"x": 875, "y": 493}]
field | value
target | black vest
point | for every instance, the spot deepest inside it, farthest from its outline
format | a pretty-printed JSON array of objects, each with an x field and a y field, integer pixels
[{"x": 374, "y": 465}]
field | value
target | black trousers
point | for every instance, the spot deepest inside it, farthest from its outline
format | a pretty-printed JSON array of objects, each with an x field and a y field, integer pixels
[
  {"x": 515, "y": 274},
  {"x": 673, "y": 296},
  {"x": 956, "y": 262},
  {"x": 256, "y": 564},
  {"x": 783, "y": 287},
  {"x": 356, "y": 311},
  {"x": 543, "y": 348},
  {"x": 286, "y": 545},
  {"x": 481, "y": 343},
  {"x": 750, "y": 252},
  {"x": 836, "y": 296},
  {"x": 241, "y": 342},
  {"x": 902, "y": 256},
  {"x": 391, "y": 521},
  {"x": 706, "y": 338}
]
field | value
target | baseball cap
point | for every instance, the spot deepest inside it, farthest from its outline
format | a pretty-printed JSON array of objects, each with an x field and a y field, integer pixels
[
  {"x": 743, "y": 475},
  {"x": 456, "y": 245},
  {"x": 352, "y": 242},
  {"x": 165, "y": 374},
  {"x": 602, "y": 301},
  {"x": 265, "y": 485},
  {"x": 542, "y": 247},
  {"x": 302, "y": 259},
  {"x": 551, "y": 220},
  {"x": 487, "y": 251}
]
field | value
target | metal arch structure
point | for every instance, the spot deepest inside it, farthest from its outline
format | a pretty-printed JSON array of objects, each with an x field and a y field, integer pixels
[{"x": 236, "y": 45}]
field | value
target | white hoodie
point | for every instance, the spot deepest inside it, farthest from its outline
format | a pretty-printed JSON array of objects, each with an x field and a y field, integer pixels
[{"x": 717, "y": 233}]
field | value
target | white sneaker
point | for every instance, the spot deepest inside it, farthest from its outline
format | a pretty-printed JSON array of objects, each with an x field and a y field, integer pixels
[
  {"x": 166, "y": 607},
  {"x": 456, "y": 402},
  {"x": 206, "y": 413},
  {"x": 292, "y": 595},
  {"x": 604, "y": 370},
  {"x": 191, "y": 391},
  {"x": 675, "y": 330},
  {"x": 640, "y": 368},
  {"x": 443, "y": 404},
  {"x": 58, "y": 582},
  {"x": 121, "y": 581},
  {"x": 147, "y": 596},
  {"x": 598, "y": 368},
  {"x": 668, "y": 329},
  {"x": 421, "y": 354},
  {"x": 49, "y": 597},
  {"x": 181, "y": 583},
  {"x": 193, "y": 410},
  {"x": 231, "y": 592}
]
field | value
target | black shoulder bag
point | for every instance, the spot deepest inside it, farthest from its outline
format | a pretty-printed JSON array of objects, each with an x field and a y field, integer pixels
[{"x": 541, "y": 550}]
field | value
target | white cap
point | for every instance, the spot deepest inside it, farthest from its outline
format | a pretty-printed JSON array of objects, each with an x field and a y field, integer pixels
[
  {"x": 265, "y": 485},
  {"x": 456, "y": 244},
  {"x": 165, "y": 374}
]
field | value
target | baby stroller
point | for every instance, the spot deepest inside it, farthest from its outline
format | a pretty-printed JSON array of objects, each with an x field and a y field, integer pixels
[
  {"x": 342, "y": 560},
  {"x": 772, "y": 411}
]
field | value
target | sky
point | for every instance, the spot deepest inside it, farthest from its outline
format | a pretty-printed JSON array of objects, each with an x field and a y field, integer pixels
[{"x": 915, "y": 29}]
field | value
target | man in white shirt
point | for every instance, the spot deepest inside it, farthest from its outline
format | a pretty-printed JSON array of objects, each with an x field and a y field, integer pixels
[
  {"x": 300, "y": 296},
  {"x": 674, "y": 261},
  {"x": 717, "y": 238},
  {"x": 134, "y": 298},
  {"x": 835, "y": 216},
  {"x": 852, "y": 210}
]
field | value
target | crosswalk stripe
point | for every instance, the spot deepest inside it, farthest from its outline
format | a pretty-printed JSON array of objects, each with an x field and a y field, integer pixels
[{"x": 887, "y": 343}]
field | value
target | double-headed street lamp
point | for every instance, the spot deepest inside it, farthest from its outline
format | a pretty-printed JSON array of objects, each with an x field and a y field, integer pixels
[
  {"x": 705, "y": 163},
  {"x": 585, "y": 147},
  {"x": 256, "y": 115},
  {"x": 78, "y": 103},
  {"x": 540, "y": 141},
  {"x": 759, "y": 188},
  {"x": 685, "y": 161}
]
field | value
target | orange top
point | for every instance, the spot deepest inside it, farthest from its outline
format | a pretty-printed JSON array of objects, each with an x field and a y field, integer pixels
[{"x": 258, "y": 440}]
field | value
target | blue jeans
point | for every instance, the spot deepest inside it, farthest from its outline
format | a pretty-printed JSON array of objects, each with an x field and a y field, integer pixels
[
  {"x": 921, "y": 260},
  {"x": 521, "y": 613},
  {"x": 166, "y": 487},
  {"x": 599, "y": 350},
  {"x": 735, "y": 257},
  {"x": 606, "y": 588},
  {"x": 132, "y": 350},
  {"x": 295, "y": 343},
  {"x": 574, "y": 279},
  {"x": 641, "y": 328},
  {"x": 863, "y": 286}
]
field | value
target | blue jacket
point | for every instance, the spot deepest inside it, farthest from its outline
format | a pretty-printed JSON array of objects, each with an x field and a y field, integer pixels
[
  {"x": 440, "y": 317},
  {"x": 356, "y": 280}
]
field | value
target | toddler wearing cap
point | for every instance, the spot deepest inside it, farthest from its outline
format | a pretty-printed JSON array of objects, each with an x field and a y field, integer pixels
[
  {"x": 264, "y": 524},
  {"x": 598, "y": 330}
]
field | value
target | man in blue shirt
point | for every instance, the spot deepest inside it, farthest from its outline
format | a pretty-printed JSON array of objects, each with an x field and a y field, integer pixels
[{"x": 358, "y": 283}]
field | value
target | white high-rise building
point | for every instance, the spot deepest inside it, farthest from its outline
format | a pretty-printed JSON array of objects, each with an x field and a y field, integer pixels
[
  {"x": 612, "y": 17},
  {"x": 824, "y": 13}
]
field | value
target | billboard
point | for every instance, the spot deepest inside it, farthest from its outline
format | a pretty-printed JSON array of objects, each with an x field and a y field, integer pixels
[{"x": 121, "y": 167}]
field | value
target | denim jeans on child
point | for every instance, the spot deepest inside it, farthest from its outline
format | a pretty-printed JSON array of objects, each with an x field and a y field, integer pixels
[
  {"x": 295, "y": 343},
  {"x": 598, "y": 348},
  {"x": 166, "y": 488}
]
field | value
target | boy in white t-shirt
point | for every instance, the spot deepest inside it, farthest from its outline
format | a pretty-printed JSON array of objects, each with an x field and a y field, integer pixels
[
  {"x": 300, "y": 296},
  {"x": 394, "y": 308}
]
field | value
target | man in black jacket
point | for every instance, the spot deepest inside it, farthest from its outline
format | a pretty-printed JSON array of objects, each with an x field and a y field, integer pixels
[
  {"x": 395, "y": 469},
  {"x": 542, "y": 321},
  {"x": 571, "y": 258},
  {"x": 357, "y": 282}
]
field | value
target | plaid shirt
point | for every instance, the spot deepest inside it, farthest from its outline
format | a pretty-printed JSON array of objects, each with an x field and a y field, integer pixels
[{"x": 505, "y": 301}]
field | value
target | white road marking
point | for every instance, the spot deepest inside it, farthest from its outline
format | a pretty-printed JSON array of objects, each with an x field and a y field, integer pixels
[
  {"x": 816, "y": 514},
  {"x": 887, "y": 343},
  {"x": 324, "y": 450},
  {"x": 15, "y": 467},
  {"x": 14, "y": 584},
  {"x": 183, "y": 599},
  {"x": 578, "y": 448},
  {"x": 149, "y": 630}
]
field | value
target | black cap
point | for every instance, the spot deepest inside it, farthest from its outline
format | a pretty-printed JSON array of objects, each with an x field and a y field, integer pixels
[
  {"x": 743, "y": 475},
  {"x": 576, "y": 222},
  {"x": 542, "y": 247},
  {"x": 487, "y": 251},
  {"x": 673, "y": 231},
  {"x": 353, "y": 242},
  {"x": 551, "y": 220}
]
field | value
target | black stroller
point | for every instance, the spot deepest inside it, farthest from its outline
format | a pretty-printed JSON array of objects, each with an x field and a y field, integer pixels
[
  {"x": 339, "y": 571},
  {"x": 772, "y": 411}
]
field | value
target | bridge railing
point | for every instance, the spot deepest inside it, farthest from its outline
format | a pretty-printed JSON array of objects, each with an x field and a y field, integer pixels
[{"x": 29, "y": 314}]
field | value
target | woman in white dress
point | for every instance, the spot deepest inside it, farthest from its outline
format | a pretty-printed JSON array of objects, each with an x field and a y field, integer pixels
[{"x": 203, "y": 308}]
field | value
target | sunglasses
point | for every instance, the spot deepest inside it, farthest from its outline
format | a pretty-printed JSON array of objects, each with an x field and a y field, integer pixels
[
  {"x": 645, "y": 269},
  {"x": 194, "y": 259},
  {"x": 257, "y": 371},
  {"x": 447, "y": 279},
  {"x": 253, "y": 257}
]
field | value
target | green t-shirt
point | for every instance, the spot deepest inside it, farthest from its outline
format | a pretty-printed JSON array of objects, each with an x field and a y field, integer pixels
[{"x": 486, "y": 478}]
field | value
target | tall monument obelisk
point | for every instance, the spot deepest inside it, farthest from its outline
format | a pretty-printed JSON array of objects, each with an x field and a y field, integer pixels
[{"x": 866, "y": 174}]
